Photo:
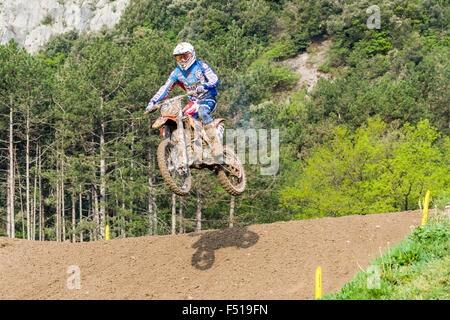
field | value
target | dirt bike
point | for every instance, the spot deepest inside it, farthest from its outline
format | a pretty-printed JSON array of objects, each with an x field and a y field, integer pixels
[{"x": 186, "y": 146}]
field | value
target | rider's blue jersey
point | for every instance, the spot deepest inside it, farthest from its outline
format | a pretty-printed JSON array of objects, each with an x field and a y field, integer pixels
[{"x": 198, "y": 74}]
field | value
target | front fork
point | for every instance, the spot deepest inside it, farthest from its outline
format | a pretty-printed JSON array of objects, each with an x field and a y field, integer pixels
[{"x": 183, "y": 165}]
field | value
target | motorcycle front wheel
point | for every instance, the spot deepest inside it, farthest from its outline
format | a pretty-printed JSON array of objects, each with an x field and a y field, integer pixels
[{"x": 178, "y": 181}]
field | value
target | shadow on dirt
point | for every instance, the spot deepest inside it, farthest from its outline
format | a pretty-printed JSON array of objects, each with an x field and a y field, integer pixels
[{"x": 204, "y": 257}]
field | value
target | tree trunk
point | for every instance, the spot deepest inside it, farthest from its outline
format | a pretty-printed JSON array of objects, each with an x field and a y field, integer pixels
[
  {"x": 198, "y": 216},
  {"x": 73, "y": 218},
  {"x": 231, "y": 212},
  {"x": 19, "y": 178},
  {"x": 174, "y": 213},
  {"x": 8, "y": 207},
  {"x": 81, "y": 216},
  {"x": 122, "y": 222},
  {"x": 41, "y": 212},
  {"x": 33, "y": 218},
  {"x": 90, "y": 214},
  {"x": 96, "y": 215},
  {"x": 63, "y": 213},
  {"x": 155, "y": 220},
  {"x": 11, "y": 185},
  {"x": 27, "y": 170},
  {"x": 132, "y": 163},
  {"x": 102, "y": 182},
  {"x": 181, "y": 217},
  {"x": 58, "y": 206},
  {"x": 152, "y": 210},
  {"x": 406, "y": 197},
  {"x": 150, "y": 207}
]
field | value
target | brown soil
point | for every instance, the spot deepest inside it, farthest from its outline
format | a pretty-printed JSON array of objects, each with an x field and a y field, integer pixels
[
  {"x": 306, "y": 64},
  {"x": 271, "y": 261}
]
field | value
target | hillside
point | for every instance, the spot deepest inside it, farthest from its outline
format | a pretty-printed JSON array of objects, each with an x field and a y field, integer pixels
[
  {"x": 267, "y": 261},
  {"x": 33, "y": 23}
]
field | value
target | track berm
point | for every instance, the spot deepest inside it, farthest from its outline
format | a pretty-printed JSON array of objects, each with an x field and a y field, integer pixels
[{"x": 266, "y": 261}]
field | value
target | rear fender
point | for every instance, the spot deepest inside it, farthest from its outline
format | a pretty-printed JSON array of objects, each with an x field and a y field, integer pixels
[
  {"x": 219, "y": 126},
  {"x": 216, "y": 122}
]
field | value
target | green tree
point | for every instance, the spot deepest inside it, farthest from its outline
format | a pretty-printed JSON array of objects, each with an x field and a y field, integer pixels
[
  {"x": 24, "y": 92},
  {"x": 375, "y": 169}
]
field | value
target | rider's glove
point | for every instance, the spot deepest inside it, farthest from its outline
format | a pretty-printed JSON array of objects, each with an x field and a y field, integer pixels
[
  {"x": 201, "y": 89},
  {"x": 150, "y": 107}
]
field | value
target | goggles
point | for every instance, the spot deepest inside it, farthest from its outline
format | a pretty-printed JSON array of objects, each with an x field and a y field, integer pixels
[{"x": 183, "y": 57}]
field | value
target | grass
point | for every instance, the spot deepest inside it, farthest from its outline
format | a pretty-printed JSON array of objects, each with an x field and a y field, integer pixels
[{"x": 415, "y": 269}]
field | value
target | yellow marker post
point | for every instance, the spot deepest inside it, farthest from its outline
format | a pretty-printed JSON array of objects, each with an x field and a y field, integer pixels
[
  {"x": 425, "y": 208},
  {"x": 107, "y": 232},
  {"x": 318, "y": 283}
]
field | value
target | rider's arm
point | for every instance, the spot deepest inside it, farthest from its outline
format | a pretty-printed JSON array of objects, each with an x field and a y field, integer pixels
[
  {"x": 164, "y": 91},
  {"x": 212, "y": 80}
]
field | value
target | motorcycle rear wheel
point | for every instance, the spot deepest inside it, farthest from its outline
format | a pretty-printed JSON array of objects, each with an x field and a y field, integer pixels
[{"x": 178, "y": 184}]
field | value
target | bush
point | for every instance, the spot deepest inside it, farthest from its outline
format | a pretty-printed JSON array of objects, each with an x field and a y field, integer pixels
[
  {"x": 282, "y": 50},
  {"x": 48, "y": 19}
]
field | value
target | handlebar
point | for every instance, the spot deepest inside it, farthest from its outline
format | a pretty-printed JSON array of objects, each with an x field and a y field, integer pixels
[{"x": 160, "y": 103}]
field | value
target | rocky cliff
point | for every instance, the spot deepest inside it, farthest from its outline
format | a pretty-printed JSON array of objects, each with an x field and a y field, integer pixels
[{"x": 32, "y": 22}]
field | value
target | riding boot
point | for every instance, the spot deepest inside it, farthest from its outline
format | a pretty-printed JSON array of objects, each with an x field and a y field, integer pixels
[{"x": 216, "y": 146}]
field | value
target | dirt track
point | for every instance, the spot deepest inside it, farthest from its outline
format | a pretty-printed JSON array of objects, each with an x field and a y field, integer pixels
[{"x": 272, "y": 261}]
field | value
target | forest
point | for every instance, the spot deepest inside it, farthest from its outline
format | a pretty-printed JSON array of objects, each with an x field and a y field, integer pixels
[{"x": 78, "y": 153}]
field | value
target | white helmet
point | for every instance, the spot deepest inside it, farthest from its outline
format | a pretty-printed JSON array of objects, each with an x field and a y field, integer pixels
[{"x": 184, "y": 53}]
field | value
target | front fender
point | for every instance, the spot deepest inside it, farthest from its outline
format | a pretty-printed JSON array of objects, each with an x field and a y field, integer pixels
[{"x": 162, "y": 120}]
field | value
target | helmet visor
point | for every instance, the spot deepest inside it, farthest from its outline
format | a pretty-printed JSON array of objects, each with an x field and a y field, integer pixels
[{"x": 183, "y": 57}]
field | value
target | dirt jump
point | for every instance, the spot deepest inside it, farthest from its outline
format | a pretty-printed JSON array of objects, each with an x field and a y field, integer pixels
[{"x": 270, "y": 261}]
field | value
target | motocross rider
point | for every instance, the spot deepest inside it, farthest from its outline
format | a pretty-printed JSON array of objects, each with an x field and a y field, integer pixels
[{"x": 197, "y": 76}]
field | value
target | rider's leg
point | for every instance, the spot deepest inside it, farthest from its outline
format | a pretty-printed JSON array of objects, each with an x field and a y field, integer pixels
[
  {"x": 205, "y": 108},
  {"x": 204, "y": 111}
]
